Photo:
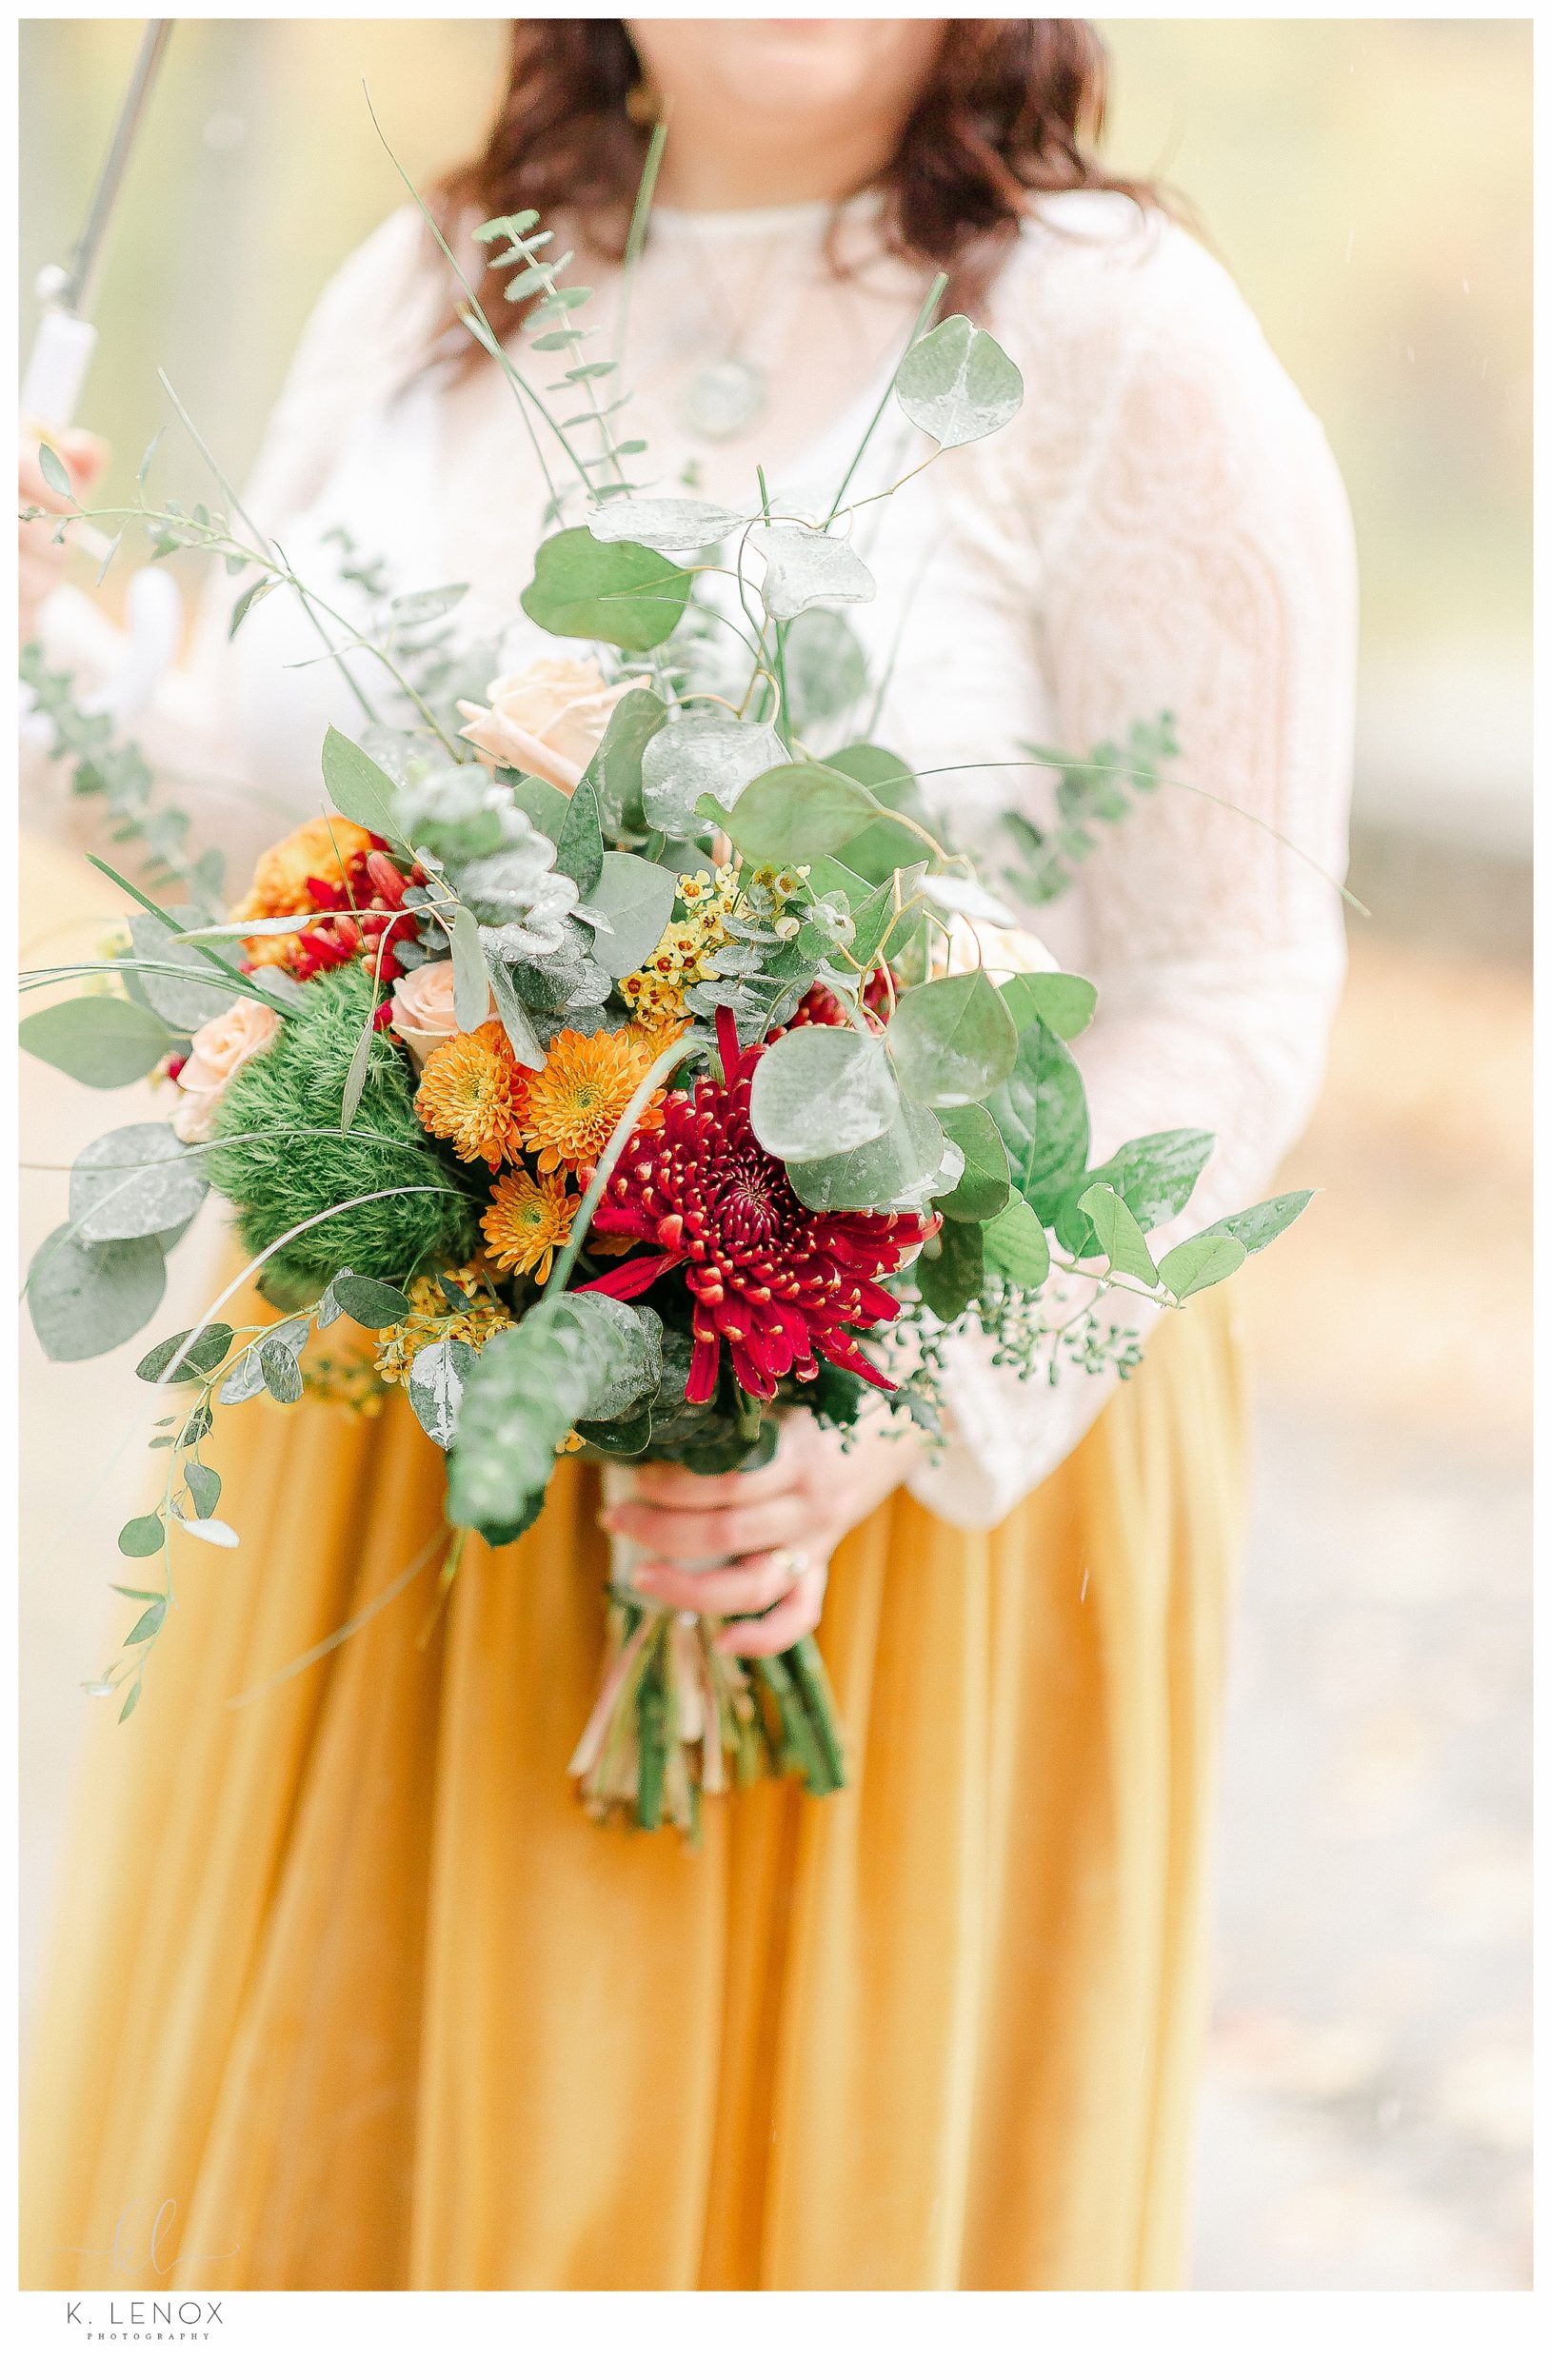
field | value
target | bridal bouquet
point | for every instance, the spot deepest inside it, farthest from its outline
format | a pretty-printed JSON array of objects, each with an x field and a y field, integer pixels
[{"x": 623, "y": 1049}]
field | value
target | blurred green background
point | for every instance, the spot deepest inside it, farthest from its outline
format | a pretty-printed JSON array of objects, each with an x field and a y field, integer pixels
[{"x": 1366, "y": 2111}]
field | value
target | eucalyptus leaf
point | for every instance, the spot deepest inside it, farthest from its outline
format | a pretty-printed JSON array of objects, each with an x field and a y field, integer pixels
[
  {"x": 805, "y": 567},
  {"x": 204, "y": 1487},
  {"x": 637, "y": 899},
  {"x": 579, "y": 849},
  {"x": 140, "y": 1539},
  {"x": 614, "y": 774},
  {"x": 376, "y": 1305},
  {"x": 251, "y": 594},
  {"x": 821, "y": 1090},
  {"x": 55, "y": 472},
  {"x": 827, "y": 669},
  {"x": 953, "y": 1040},
  {"x": 881, "y": 771},
  {"x": 99, "y": 1041},
  {"x": 705, "y": 752},
  {"x": 133, "y": 1181},
  {"x": 418, "y": 611},
  {"x": 951, "y": 1269},
  {"x": 982, "y": 1189},
  {"x": 250, "y": 1375},
  {"x": 360, "y": 790},
  {"x": 544, "y": 804},
  {"x": 670, "y": 524},
  {"x": 85, "y": 1301},
  {"x": 957, "y": 383},
  {"x": 146, "y": 1627},
  {"x": 183, "y": 1003},
  {"x": 1066, "y": 1002},
  {"x": 886, "y": 848},
  {"x": 470, "y": 977},
  {"x": 802, "y": 812},
  {"x": 281, "y": 1371},
  {"x": 196, "y": 1357},
  {"x": 906, "y": 1166},
  {"x": 516, "y": 1022},
  {"x": 436, "y": 1388},
  {"x": 622, "y": 594},
  {"x": 582, "y": 1356}
]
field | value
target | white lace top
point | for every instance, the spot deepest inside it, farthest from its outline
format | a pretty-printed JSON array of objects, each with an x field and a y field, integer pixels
[{"x": 1160, "y": 526}]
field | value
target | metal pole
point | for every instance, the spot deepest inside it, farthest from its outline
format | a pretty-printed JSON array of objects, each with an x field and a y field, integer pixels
[{"x": 80, "y": 272}]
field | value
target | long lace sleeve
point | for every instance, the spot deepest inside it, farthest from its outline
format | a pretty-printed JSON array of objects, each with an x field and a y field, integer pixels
[
  {"x": 1194, "y": 553},
  {"x": 365, "y": 332}
]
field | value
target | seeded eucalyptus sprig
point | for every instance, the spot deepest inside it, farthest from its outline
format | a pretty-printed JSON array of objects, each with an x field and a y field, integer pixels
[
  {"x": 553, "y": 329},
  {"x": 115, "y": 770},
  {"x": 1100, "y": 790}
]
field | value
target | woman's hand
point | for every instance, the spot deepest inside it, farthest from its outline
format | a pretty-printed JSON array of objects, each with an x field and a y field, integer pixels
[
  {"x": 778, "y": 1527},
  {"x": 43, "y": 561}
]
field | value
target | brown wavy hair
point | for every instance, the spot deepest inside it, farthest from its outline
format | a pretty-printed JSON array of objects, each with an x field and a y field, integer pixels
[{"x": 1010, "y": 113}]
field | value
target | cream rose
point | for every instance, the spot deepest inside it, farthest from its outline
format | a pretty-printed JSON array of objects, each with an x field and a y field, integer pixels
[
  {"x": 221, "y": 1048},
  {"x": 548, "y": 719},
  {"x": 1003, "y": 950},
  {"x": 424, "y": 1016}
]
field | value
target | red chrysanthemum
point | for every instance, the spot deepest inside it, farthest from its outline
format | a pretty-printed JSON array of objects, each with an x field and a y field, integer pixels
[
  {"x": 819, "y": 1005},
  {"x": 367, "y": 910},
  {"x": 780, "y": 1285}
]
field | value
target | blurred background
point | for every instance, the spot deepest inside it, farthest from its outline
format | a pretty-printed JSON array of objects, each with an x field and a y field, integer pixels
[{"x": 1365, "y": 2121}]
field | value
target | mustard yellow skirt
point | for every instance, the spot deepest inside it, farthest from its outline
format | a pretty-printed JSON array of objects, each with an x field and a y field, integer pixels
[{"x": 349, "y": 1993}]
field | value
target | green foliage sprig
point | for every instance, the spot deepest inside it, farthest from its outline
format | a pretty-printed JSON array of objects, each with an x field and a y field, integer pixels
[
  {"x": 1097, "y": 792},
  {"x": 115, "y": 771}
]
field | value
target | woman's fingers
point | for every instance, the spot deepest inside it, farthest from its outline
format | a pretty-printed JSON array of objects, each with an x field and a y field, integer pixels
[
  {"x": 779, "y": 1605},
  {"x": 668, "y": 1483},
  {"x": 687, "y": 1534},
  {"x": 795, "y": 1614},
  {"x": 751, "y": 1585}
]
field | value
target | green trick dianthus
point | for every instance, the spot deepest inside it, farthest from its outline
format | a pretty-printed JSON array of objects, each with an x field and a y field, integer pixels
[{"x": 279, "y": 1158}]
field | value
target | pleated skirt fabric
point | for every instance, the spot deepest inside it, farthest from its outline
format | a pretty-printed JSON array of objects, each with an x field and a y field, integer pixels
[{"x": 348, "y": 1993}]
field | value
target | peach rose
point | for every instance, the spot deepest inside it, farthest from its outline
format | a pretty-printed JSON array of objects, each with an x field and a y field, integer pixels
[
  {"x": 548, "y": 719},
  {"x": 424, "y": 1016},
  {"x": 221, "y": 1048}
]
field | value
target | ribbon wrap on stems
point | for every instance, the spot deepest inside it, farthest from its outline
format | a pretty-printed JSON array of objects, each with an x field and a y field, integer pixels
[{"x": 676, "y": 1719}]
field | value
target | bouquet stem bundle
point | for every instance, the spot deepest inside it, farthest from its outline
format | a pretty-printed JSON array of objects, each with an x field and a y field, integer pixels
[{"x": 676, "y": 1719}]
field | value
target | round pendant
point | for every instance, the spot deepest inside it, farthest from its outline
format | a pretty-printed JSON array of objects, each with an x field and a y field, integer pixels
[{"x": 723, "y": 399}]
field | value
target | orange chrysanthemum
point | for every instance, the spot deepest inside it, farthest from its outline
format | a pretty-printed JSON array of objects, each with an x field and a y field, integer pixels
[
  {"x": 470, "y": 1094},
  {"x": 570, "y": 1110},
  {"x": 319, "y": 848},
  {"x": 527, "y": 1221},
  {"x": 322, "y": 848}
]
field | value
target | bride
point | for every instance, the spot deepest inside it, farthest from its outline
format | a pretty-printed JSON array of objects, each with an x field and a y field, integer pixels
[{"x": 346, "y": 1985}]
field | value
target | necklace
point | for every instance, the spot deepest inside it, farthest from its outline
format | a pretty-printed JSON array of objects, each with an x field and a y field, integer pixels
[{"x": 729, "y": 395}]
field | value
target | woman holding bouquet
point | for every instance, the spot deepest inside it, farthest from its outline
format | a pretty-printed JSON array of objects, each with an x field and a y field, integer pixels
[{"x": 346, "y": 1982}]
